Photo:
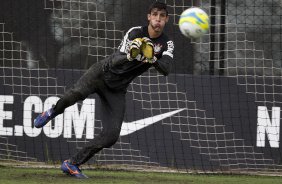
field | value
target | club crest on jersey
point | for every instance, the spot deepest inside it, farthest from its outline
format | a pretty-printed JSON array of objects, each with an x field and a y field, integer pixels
[{"x": 157, "y": 48}]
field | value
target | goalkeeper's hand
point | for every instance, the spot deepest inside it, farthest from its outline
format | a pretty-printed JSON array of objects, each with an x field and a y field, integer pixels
[
  {"x": 134, "y": 48},
  {"x": 147, "y": 48},
  {"x": 154, "y": 59}
]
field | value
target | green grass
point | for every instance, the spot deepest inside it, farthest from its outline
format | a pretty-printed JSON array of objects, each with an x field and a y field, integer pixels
[{"x": 10, "y": 175}]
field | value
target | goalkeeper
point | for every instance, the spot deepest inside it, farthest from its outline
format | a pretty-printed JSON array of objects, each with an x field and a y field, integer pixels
[{"x": 140, "y": 49}]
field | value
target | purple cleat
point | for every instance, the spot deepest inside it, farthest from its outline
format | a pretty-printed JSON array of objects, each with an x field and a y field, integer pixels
[
  {"x": 72, "y": 170},
  {"x": 42, "y": 119}
]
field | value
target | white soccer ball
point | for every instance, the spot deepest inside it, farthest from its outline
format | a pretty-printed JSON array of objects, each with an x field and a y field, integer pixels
[{"x": 194, "y": 22}]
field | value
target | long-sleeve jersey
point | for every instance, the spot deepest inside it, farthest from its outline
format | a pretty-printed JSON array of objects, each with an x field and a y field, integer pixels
[{"x": 119, "y": 71}]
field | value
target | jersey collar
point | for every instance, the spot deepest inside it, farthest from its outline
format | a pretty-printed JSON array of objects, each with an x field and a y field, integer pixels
[{"x": 145, "y": 30}]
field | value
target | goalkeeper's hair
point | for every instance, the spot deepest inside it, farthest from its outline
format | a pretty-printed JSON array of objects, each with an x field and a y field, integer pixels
[{"x": 159, "y": 6}]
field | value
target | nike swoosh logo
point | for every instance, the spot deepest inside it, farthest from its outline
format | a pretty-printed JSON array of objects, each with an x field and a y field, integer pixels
[{"x": 131, "y": 127}]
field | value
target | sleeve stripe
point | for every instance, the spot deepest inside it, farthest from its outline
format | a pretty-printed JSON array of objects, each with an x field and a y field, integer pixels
[
  {"x": 168, "y": 54},
  {"x": 170, "y": 49},
  {"x": 123, "y": 47}
]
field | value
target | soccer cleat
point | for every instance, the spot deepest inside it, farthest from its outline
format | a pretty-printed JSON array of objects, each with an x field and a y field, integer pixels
[
  {"x": 42, "y": 119},
  {"x": 72, "y": 170}
]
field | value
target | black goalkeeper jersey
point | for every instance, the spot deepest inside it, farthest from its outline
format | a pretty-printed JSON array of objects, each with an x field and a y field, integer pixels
[{"x": 119, "y": 71}]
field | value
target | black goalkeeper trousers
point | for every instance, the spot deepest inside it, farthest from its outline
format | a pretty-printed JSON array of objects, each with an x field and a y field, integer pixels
[{"x": 112, "y": 110}]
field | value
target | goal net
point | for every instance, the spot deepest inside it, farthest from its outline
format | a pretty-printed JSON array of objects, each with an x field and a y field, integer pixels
[{"x": 218, "y": 110}]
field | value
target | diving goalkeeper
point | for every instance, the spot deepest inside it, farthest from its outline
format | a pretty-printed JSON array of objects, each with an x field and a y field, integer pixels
[{"x": 140, "y": 49}]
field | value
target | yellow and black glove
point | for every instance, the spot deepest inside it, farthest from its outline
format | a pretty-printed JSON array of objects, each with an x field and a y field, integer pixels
[
  {"x": 142, "y": 46},
  {"x": 147, "y": 48},
  {"x": 134, "y": 48}
]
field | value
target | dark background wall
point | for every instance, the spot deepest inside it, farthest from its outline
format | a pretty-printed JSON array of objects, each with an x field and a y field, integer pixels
[
  {"x": 55, "y": 38},
  {"x": 64, "y": 39}
]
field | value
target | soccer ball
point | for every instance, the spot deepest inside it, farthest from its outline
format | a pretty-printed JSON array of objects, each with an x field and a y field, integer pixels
[{"x": 194, "y": 22}]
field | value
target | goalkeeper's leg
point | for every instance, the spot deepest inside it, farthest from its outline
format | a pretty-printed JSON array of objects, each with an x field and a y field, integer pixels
[
  {"x": 112, "y": 108},
  {"x": 86, "y": 85}
]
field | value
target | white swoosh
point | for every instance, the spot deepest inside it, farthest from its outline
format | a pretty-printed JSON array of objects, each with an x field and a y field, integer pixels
[{"x": 130, "y": 127}]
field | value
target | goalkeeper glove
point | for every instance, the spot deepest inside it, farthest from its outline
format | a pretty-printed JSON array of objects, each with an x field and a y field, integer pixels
[
  {"x": 154, "y": 59},
  {"x": 147, "y": 48},
  {"x": 134, "y": 49}
]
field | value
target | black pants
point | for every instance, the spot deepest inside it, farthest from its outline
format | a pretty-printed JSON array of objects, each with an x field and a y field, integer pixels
[{"x": 112, "y": 108}]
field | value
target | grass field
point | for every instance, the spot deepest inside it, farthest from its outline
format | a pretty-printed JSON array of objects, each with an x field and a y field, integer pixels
[{"x": 31, "y": 176}]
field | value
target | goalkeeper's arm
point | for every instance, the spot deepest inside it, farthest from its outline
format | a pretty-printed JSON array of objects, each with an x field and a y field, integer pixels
[{"x": 162, "y": 65}]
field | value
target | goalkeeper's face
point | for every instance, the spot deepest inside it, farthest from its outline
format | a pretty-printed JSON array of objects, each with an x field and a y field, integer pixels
[{"x": 157, "y": 20}]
